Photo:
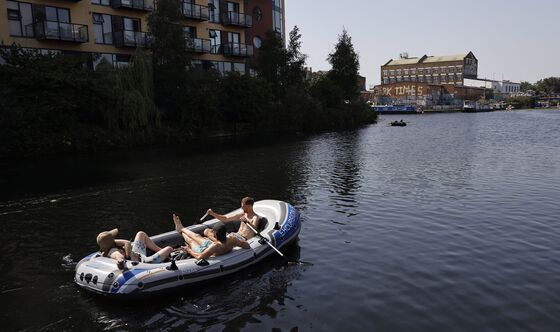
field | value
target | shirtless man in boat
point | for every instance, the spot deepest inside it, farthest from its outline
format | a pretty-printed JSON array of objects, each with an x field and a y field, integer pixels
[
  {"x": 121, "y": 250},
  {"x": 248, "y": 216},
  {"x": 201, "y": 247}
]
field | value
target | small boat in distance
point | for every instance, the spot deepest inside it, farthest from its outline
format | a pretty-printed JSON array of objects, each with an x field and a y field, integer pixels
[
  {"x": 279, "y": 226},
  {"x": 398, "y": 123}
]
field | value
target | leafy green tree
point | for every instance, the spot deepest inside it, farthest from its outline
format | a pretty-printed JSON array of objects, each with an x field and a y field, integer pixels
[
  {"x": 295, "y": 66},
  {"x": 134, "y": 92},
  {"x": 170, "y": 56},
  {"x": 272, "y": 61},
  {"x": 525, "y": 86},
  {"x": 549, "y": 85},
  {"x": 521, "y": 101},
  {"x": 345, "y": 67}
]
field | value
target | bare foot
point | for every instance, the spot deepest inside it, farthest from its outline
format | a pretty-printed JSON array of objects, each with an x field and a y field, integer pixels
[{"x": 177, "y": 222}]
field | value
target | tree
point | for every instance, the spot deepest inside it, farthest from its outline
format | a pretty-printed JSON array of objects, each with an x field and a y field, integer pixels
[
  {"x": 295, "y": 69},
  {"x": 345, "y": 67},
  {"x": 549, "y": 85},
  {"x": 272, "y": 61},
  {"x": 169, "y": 55},
  {"x": 525, "y": 86}
]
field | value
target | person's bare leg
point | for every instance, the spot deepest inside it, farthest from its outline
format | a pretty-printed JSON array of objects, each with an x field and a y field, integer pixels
[
  {"x": 192, "y": 236},
  {"x": 143, "y": 237},
  {"x": 209, "y": 233},
  {"x": 165, "y": 252},
  {"x": 177, "y": 221}
]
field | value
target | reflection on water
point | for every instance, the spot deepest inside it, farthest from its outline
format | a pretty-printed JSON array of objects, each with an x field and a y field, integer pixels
[{"x": 447, "y": 224}]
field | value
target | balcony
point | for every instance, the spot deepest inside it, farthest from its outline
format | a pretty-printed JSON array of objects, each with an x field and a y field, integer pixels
[
  {"x": 197, "y": 45},
  {"x": 237, "y": 49},
  {"x": 237, "y": 19},
  {"x": 144, "y": 5},
  {"x": 54, "y": 30},
  {"x": 194, "y": 12},
  {"x": 128, "y": 38}
]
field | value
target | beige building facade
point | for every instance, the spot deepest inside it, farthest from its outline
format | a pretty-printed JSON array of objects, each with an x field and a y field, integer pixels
[{"x": 114, "y": 29}]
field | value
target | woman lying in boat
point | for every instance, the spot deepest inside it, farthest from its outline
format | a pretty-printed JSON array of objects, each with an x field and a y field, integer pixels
[
  {"x": 121, "y": 250},
  {"x": 201, "y": 247},
  {"x": 247, "y": 216}
]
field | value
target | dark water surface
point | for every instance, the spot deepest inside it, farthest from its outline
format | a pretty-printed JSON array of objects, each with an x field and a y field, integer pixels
[{"x": 448, "y": 224}]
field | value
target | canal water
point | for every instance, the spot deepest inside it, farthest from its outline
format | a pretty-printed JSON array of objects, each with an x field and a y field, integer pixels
[{"x": 448, "y": 224}]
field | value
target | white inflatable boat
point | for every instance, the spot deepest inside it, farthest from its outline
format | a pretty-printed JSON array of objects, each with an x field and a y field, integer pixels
[{"x": 280, "y": 224}]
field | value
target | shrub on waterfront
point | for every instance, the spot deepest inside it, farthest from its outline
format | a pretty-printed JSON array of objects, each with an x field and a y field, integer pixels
[
  {"x": 171, "y": 57},
  {"x": 134, "y": 93},
  {"x": 521, "y": 101},
  {"x": 44, "y": 98}
]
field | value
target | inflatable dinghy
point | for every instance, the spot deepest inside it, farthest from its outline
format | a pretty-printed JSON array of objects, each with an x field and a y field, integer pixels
[{"x": 280, "y": 225}]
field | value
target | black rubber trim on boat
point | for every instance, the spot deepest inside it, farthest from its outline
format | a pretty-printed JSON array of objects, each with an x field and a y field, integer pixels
[{"x": 202, "y": 262}]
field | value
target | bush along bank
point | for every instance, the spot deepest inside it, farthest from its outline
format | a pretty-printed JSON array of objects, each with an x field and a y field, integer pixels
[{"x": 56, "y": 103}]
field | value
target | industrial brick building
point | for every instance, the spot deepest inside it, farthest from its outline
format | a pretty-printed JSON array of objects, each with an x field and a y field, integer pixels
[{"x": 429, "y": 80}]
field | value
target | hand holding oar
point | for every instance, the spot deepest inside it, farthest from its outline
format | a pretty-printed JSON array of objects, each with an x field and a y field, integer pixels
[{"x": 262, "y": 237}]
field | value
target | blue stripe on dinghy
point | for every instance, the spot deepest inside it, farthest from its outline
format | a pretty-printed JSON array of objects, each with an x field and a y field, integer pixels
[
  {"x": 289, "y": 227},
  {"x": 124, "y": 277}
]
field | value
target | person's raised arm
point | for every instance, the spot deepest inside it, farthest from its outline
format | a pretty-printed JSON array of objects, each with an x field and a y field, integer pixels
[{"x": 223, "y": 218}]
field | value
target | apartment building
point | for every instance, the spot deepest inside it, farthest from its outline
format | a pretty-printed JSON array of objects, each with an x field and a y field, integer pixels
[{"x": 216, "y": 30}]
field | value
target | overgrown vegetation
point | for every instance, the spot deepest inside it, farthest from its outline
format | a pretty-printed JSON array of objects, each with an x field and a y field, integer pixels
[
  {"x": 546, "y": 86},
  {"x": 55, "y": 103}
]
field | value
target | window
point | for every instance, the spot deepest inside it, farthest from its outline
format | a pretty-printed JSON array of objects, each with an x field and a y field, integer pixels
[
  {"x": 214, "y": 9},
  {"x": 190, "y": 32},
  {"x": 116, "y": 60},
  {"x": 405, "y": 71},
  {"x": 20, "y": 19},
  {"x": 188, "y": 8},
  {"x": 232, "y": 7},
  {"x": 101, "y": 2},
  {"x": 102, "y": 29},
  {"x": 215, "y": 41},
  {"x": 277, "y": 18},
  {"x": 257, "y": 14},
  {"x": 131, "y": 24},
  {"x": 239, "y": 67},
  {"x": 57, "y": 14},
  {"x": 233, "y": 37},
  {"x": 257, "y": 42}
]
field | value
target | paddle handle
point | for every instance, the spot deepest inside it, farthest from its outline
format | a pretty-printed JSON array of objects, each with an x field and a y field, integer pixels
[
  {"x": 265, "y": 239},
  {"x": 204, "y": 216}
]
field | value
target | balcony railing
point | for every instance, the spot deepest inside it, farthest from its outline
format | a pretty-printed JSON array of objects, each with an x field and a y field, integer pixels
[
  {"x": 237, "y": 49},
  {"x": 54, "y": 30},
  {"x": 198, "y": 45},
  {"x": 195, "y": 12},
  {"x": 238, "y": 19},
  {"x": 145, "y": 5},
  {"x": 128, "y": 38}
]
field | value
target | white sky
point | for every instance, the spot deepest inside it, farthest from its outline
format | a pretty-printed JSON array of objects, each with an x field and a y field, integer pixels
[{"x": 514, "y": 39}]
